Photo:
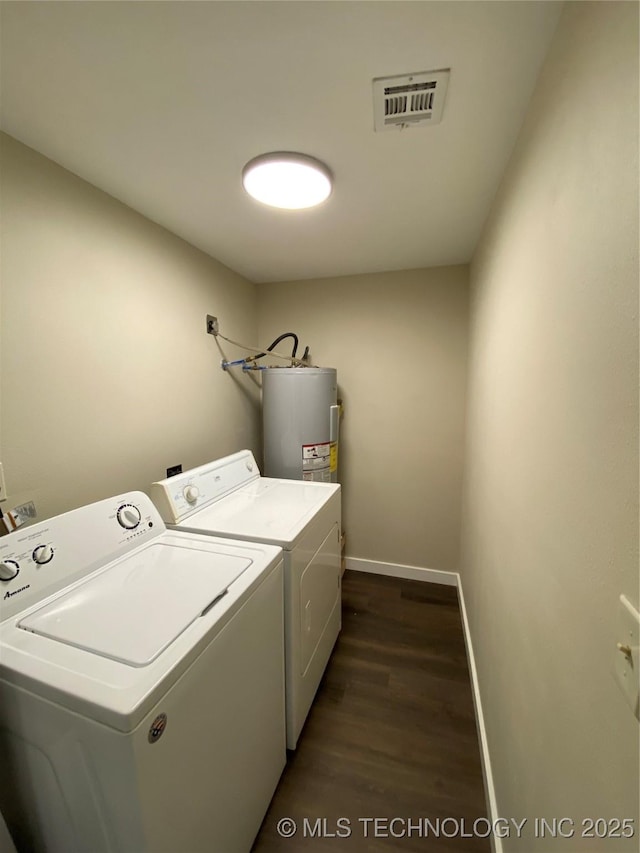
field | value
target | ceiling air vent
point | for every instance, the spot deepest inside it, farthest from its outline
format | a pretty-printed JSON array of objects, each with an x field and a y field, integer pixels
[{"x": 408, "y": 100}]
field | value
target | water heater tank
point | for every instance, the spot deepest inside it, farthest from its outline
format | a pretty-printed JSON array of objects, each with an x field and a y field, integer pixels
[{"x": 300, "y": 417}]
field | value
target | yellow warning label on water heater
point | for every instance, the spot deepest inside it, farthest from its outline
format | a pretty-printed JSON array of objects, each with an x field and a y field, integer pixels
[{"x": 333, "y": 456}]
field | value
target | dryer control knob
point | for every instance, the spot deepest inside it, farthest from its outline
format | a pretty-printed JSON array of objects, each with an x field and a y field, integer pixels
[
  {"x": 191, "y": 494},
  {"x": 128, "y": 516},
  {"x": 42, "y": 554},
  {"x": 8, "y": 570}
]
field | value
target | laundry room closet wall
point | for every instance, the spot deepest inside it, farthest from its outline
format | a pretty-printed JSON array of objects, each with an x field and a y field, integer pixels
[
  {"x": 399, "y": 343},
  {"x": 550, "y": 531},
  {"x": 108, "y": 375}
]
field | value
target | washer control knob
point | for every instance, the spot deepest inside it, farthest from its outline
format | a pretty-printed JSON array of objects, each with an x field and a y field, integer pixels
[
  {"x": 191, "y": 494},
  {"x": 42, "y": 554},
  {"x": 8, "y": 570},
  {"x": 128, "y": 516},
  {"x": 249, "y": 465}
]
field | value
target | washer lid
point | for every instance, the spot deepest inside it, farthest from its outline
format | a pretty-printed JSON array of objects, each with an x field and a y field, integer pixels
[{"x": 138, "y": 606}]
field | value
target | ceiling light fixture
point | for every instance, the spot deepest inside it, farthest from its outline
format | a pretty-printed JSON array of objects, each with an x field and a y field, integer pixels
[{"x": 287, "y": 180}]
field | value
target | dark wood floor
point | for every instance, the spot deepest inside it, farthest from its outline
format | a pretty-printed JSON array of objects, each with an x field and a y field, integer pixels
[{"x": 391, "y": 733}]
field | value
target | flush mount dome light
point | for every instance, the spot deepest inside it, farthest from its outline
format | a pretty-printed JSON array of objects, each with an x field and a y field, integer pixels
[{"x": 287, "y": 180}]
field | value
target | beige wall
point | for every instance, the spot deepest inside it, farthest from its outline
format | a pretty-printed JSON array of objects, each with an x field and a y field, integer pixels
[
  {"x": 551, "y": 482},
  {"x": 108, "y": 375},
  {"x": 399, "y": 343}
]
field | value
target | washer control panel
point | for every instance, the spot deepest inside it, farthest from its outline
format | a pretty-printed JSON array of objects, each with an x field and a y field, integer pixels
[
  {"x": 37, "y": 561},
  {"x": 42, "y": 554},
  {"x": 178, "y": 496},
  {"x": 129, "y": 516},
  {"x": 9, "y": 569}
]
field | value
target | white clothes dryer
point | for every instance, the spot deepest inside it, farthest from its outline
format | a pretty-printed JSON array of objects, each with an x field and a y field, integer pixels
[
  {"x": 228, "y": 497},
  {"x": 141, "y": 684}
]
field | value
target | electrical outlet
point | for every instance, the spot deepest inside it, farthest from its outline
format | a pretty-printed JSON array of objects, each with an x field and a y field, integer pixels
[
  {"x": 627, "y": 655},
  {"x": 10, "y": 521},
  {"x": 3, "y": 486},
  {"x": 212, "y": 325},
  {"x": 175, "y": 469}
]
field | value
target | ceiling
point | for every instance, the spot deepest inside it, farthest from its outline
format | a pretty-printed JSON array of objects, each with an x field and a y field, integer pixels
[{"x": 161, "y": 104}]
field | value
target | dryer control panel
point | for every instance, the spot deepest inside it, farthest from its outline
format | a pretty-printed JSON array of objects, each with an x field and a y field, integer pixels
[
  {"x": 39, "y": 560},
  {"x": 177, "y": 497}
]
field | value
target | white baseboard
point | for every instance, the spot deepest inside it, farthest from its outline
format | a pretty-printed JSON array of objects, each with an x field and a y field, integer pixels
[
  {"x": 397, "y": 570},
  {"x": 489, "y": 787}
]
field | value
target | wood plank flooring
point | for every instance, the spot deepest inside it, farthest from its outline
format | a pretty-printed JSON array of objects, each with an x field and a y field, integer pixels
[{"x": 391, "y": 733}]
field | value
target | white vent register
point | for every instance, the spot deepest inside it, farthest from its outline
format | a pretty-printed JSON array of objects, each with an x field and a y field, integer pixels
[{"x": 408, "y": 100}]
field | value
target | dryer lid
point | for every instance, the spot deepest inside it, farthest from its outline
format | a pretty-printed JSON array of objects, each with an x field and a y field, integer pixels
[
  {"x": 134, "y": 609},
  {"x": 266, "y": 510}
]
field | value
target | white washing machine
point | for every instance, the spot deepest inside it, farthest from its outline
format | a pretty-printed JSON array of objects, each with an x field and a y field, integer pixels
[
  {"x": 228, "y": 497},
  {"x": 141, "y": 684}
]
